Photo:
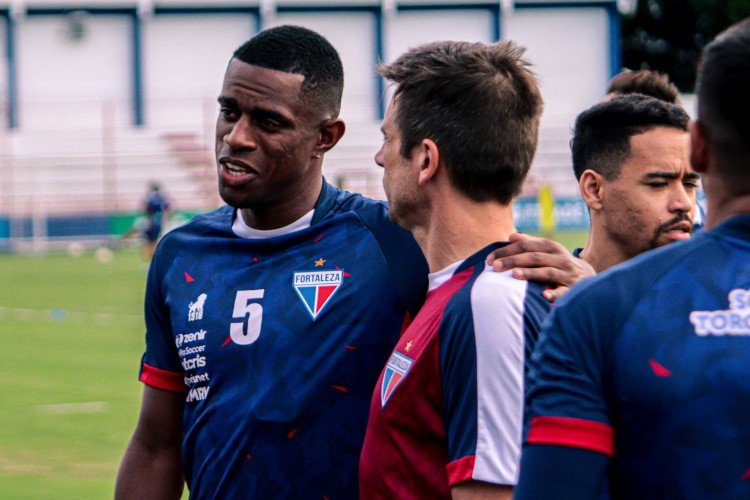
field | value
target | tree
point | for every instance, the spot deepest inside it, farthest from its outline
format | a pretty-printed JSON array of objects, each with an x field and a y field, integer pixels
[{"x": 668, "y": 35}]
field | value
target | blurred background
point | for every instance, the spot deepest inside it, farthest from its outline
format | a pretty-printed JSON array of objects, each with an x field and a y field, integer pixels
[{"x": 100, "y": 99}]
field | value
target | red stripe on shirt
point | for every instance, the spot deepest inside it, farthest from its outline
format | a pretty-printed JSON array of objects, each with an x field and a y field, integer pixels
[
  {"x": 162, "y": 379},
  {"x": 573, "y": 432},
  {"x": 461, "y": 470}
]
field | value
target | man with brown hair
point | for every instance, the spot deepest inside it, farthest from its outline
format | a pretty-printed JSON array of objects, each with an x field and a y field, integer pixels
[{"x": 459, "y": 138}]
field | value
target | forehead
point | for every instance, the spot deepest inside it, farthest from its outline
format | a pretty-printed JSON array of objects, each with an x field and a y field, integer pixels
[
  {"x": 661, "y": 149},
  {"x": 248, "y": 83},
  {"x": 389, "y": 119}
]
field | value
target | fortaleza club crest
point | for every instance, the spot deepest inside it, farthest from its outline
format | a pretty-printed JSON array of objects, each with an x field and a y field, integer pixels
[
  {"x": 316, "y": 288},
  {"x": 395, "y": 371}
]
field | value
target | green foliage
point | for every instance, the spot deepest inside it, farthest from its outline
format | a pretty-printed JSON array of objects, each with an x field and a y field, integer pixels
[{"x": 668, "y": 35}]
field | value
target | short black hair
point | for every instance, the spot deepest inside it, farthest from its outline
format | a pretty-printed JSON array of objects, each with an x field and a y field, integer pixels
[
  {"x": 298, "y": 50},
  {"x": 646, "y": 82},
  {"x": 481, "y": 105},
  {"x": 724, "y": 95},
  {"x": 601, "y": 135}
]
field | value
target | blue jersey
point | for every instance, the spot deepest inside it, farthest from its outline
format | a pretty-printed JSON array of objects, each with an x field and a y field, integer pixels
[
  {"x": 277, "y": 344},
  {"x": 448, "y": 407},
  {"x": 154, "y": 207},
  {"x": 648, "y": 364}
]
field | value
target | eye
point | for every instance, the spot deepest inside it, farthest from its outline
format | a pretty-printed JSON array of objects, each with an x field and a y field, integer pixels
[
  {"x": 267, "y": 123},
  {"x": 228, "y": 113},
  {"x": 657, "y": 185},
  {"x": 690, "y": 184}
]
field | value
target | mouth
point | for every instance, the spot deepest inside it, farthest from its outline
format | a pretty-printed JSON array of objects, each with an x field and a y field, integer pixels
[
  {"x": 236, "y": 170},
  {"x": 682, "y": 230}
]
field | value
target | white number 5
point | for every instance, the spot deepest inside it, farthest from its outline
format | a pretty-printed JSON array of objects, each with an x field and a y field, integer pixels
[{"x": 253, "y": 311}]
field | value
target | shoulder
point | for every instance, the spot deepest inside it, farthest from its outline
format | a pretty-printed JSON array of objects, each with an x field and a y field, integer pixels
[
  {"x": 613, "y": 294},
  {"x": 217, "y": 223}
]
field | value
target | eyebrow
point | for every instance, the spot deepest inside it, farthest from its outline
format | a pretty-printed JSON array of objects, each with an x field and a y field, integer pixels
[
  {"x": 692, "y": 176},
  {"x": 256, "y": 110}
]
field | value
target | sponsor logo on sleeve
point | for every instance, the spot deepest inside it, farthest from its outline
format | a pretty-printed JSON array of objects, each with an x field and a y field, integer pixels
[
  {"x": 733, "y": 321},
  {"x": 316, "y": 288},
  {"x": 395, "y": 371}
]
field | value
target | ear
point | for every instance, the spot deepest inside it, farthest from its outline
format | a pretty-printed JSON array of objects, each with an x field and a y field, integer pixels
[
  {"x": 699, "y": 148},
  {"x": 427, "y": 156},
  {"x": 331, "y": 131},
  {"x": 591, "y": 185}
]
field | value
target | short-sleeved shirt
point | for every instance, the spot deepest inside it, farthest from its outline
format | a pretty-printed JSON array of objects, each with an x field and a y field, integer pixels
[
  {"x": 277, "y": 344},
  {"x": 448, "y": 406},
  {"x": 649, "y": 363}
]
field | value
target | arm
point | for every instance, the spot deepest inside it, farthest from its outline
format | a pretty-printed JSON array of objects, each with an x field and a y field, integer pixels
[
  {"x": 540, "y": 259},
  {"x": 478, "y": 490},
  {"x": 560, "y": 473},
  {"x": 152, "y": 465}
]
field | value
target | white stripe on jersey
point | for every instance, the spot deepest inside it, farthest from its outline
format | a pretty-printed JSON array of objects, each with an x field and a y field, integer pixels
[{"x": 497, "y": 302}]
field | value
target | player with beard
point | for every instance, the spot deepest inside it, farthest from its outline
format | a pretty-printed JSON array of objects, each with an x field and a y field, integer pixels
[
  {"x": 630, "y": 156},
  {"x": 641, "y": 373}
]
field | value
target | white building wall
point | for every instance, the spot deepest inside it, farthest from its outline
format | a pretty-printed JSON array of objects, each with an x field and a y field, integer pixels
[
  {"x": 68, "y": 82},
  {"x": 569, "y": 48},
  {"x": 184, "y": 58},
  {"x": 68, "y": 86}
]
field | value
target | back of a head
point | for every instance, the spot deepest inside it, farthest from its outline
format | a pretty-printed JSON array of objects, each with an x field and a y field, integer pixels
[
  {"x": 724, "y": 96},
  {"x": 646, "y": 82},
  {"x": 298, "y": 50},
  {"x": 480, "y": 104},
  {"x": 601, "y": 135}
]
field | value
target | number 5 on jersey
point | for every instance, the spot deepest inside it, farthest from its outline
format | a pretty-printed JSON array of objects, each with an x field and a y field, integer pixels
[{"x": 247, "y": 330}]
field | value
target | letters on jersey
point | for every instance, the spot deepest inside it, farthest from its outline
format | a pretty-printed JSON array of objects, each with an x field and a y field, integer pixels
[
  {"x": 395, "y": 371},
  {"x": 735, "y": 321},
  {"x": 316, "y": 288}
]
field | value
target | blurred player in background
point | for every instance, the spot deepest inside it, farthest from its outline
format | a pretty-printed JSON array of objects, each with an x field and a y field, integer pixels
[
  {"x": 646, "y": 82},
  {"x": 156, "y": 209},
  {"x": 446, "y": 417},
  {"x": 641, "y": 373}
]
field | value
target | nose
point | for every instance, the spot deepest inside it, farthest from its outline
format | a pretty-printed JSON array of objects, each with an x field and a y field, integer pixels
[
  {"x": 379, "y": 157},
  {"x": 683, "y": 200},
  {"x": 240, "y": 135}
]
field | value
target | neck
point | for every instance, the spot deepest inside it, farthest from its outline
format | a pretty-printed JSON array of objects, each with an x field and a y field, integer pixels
[
  {"x": 723, "y": 204},
  {"x": 291, "y": 206},
  {"x": 457, "y": 228},
  {"x": 600, "y": 251}
]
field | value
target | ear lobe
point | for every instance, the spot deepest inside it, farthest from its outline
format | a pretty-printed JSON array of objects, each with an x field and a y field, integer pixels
[
  {"x": 699, "y": 148},
  {"x": 329, "y": 134},
  {"x": 591, "y": 185},
  {"x": 428, "y": 157}
]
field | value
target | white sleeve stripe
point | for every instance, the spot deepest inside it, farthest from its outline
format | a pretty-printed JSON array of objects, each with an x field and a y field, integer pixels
[{"x": 497, "y": 302}]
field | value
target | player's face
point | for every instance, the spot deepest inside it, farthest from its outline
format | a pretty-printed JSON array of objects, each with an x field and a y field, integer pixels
[
  {"x": 652, "y": 201},
  {"x": 400, "y": 175},
  {"x": 265, "y": 138}
]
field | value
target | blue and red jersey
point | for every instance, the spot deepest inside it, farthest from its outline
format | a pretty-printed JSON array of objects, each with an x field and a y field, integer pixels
[
  {"x": 448, "y": 406},
  {"x": 642, "y": 372},
  {"x": 277, "y": 344}
]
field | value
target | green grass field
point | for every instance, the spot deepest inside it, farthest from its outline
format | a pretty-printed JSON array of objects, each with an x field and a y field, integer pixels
[{"x": 71, "y": 332}]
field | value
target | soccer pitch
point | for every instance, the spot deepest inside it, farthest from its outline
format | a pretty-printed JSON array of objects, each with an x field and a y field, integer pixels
[{"x": 71, "y": 331}]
